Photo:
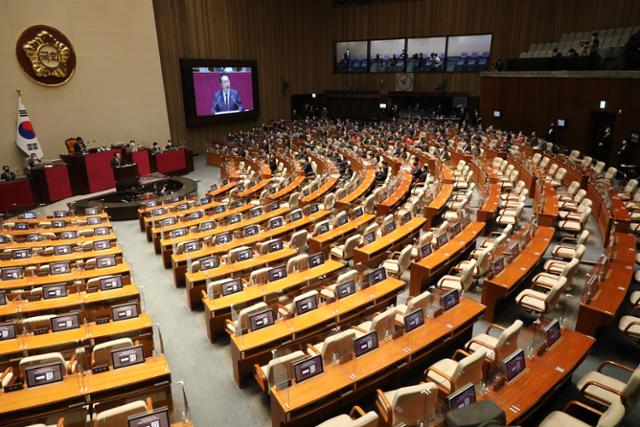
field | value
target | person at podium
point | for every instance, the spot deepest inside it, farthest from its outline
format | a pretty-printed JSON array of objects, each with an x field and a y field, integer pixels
[
  {"x": 117, "y": 160},
  {"x": 79, "y": 147}
]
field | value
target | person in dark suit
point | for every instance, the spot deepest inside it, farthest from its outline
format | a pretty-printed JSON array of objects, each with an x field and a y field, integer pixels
[
  {"x": 226, "y": 99},
  {"x": 383, "y": 171},
  {"x": 7, "y": 175},
  {"x": 155, "y": 148},
  {"x": 117, "y": 160},
  {"x": 551, "y": 133},
  {"x": 79, "y": 147}
]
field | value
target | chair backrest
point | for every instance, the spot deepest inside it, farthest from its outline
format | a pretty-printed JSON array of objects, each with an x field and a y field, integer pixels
[
  {"x": 102, "y": 352},
  {"x": 570, "y": 268},
  {"x": 30, "y": 324},
  {"x": 298, "y": 263},
  {"x": 347, "y": 276},
  {"x": 213, "y": 287},
  {"x": 580, "y": 249},
  {"x": 404, "y": 259},
  {"x": 552, "y": 169},
  {"x": 469, "y": 370},
  {"x": 611, "y": 173},
  {"x": 242, "y": 322},
  {"x": 612, "y": 416},
  {"x": 599, "y": 167},
  {"x": 316, "y": 228},
  {"x": 560, "y": 174},
  {"x": 484, "y": 262},
  {"x": 118, "y": 416},
  {"x": 298, "y": 240},
  {"x": 293, "y": 200},
  {"x": 467, "y": 275},
  {"x": 259, "y": 276},
  {"x": 350, "y": 245},
  {"x": 573, "y": 188},
  {"x": 413, "y": 403},
  {"x": 631, "y": 392},
  {"x": 329, "y": 201},
  {"x": 419, "y": 301},
  {"x": 536, "y": 158},
  {"x": 369, "y": 204},
  {"x": 336, "y": 220},
  {"x": 383, "y": 323},
  {"x": 280, "y": 369},
  {"x": 338, "y": 347},
  {"x": 508, "y": 341},
  {"x": 585, "y": 214},
  {"x": 583, "y": 236},
  {"x": 41, "y": 360},
  {"x": 631, "y": 186},
  {"x": 586, "y": 162},
  {"x": 233, "y": 252},
  {"x": 580, "y": 195}
]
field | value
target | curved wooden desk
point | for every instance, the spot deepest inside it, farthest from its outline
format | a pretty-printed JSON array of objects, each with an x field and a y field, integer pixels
[{"x": 371, "y": 254}]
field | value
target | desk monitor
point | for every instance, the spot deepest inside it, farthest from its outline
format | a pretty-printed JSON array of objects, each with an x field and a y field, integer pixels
[
  {"x": 59, "y": 214},
  {"x": 91, "y": 211},
  {"x": 219, "y": 209},
  {"x": 342, "y": 220},
  {"x": 314, "y": 186},
  {"x": 464, "y": 396},
  {"x": 273, "y": 206},
  {"x": 244, "y": 254},
  {"x": 260, "y": 320},
  {"x": 277, "y": 273},
  {"x": 20, "y": 253},
  {"x": 358, "y": 211},
  {"x": 68, "y": 234},
  {"x": 224, "y": 182},
  {"x": 166, "y": 222},
  {"x": 413, "y": 320},
  {"x": 8, "y": 331},
  {"x": 455, "y": 229},
  {"x": 214, "y": 187},
  {"x": 205, "y": 200},
  {"x": 123, "y": 357},
  {"x": 207, "y": 225},
  {"x": 365, "y": 343},
  {"x": 101, "y": 231},
  {"x": 236, "y": 203},
  {"x": 255, "y": 212},
  {"x": 4, "y": 239},
  {"x": 195, "y": 215},
  {"x": 191, "y": 245},
  {"x": 64, "y": 249},
  {"x": 369, "y": 237},
  {"x": 307, "y": 304},
  {"x": 316, "y": 259},
  {"x": 105, "y": 261},
  {"x": 345, "y": 289},
  {"x": 442, "y": 239},
  {"x": 275, "y": 223},
  {"x": 389, "y": 227},
  {"x": 308, "y": 368},
  {"x": 296, "y": 214},
  {"x": 110, "y": 282},
  {"x": 223, "y": 238},
  {"x": 273, "y": 190},
  {"x": 377, "y": 275},
  {"x": 552, "y": 333},
  {"x": 3, "y": 297},
  {"x": 173, "y": 199},
  {"x": 158, "y": 212},
  {"x": 497, "y": 265},
  {"x": 57, "y": 290},
  {"x": 65, "y": 322},
  {"x": 12, "y": 273},
  {"x": 276, "y": 245},
  {"x": 305, "y": 192},
  {"x": 406, "y": 217},
  {"x": 178, "y": 232},
  {"x": 231, "y": 287},
  {"x": 21, "y": 226},
  {"x": 236, "y": 217},
  {"x": 426, "y": 250},
  {"x": 208, "y": 263},
  {"x": 182, "y": 206},
  {"x": 251, "y": 230},
  {"x": 313, "y": 208},
  {"x": 36, "y": 237},
  {"x": 158, "y": 418},
  {"x": 93, "y": 220},
  {"x": 124, "y": 311},
  {"x": 324, "y": 227},
  {"x": 240, "y": 187},
  {"x": 58, "y": 223},
  {"x": 514, "y": 364},
  {"x": 41, "y": 375},
  {"x": 514, "y": 249},
  {"x": 101, "y": 245},
  {"x": 450, "y": 299}
]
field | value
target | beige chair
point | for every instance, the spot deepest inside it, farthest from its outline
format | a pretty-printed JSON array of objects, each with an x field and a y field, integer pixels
[
  {"x": 571, "y": 213},
  {"x": 356, "y": 418},
  {"x": 605, "y": 390},
  {"x": 612, "y": 417},
  {"x": 101, "y": 353},
  {"x": 422, "y": 240},
  {"x": 630, "y": 323},
  {"x": 288, "y": 310},
  {"x": 451, "y": 374},
  {"x": 318, "y": 226},
  {"x": 557, "y": 266},
  {"x": 568, "y": 246},
  {"x": 214, "y": 287},
  {"x": 413, "y": 303},
  {"x": 299, "y": 241},
  {"x": 575, "y": 226},
  {"x": 329, "y": 202},
  {"x": 383, "y": 323},
  {"x": 510, "y": 215},
  {"x": 539, "y": 301},
  {"x": 345, "y": 251},
  {"x": 628, "y": 190},
  {"x": 241, "y": 324},
  {"x": 399, "y": 261},
  {"x": 278, "y": 370},
  {"x": 483, "y": 263},
  {"x": 548, "y": 280},
  {"x": 118, "y": 416},
  {"x": 259, "y": 276},
  {"x": 407, "y": 405},
  {"x": 329, "y": 291},
  {"x": 336, "y": 348},
  {"x": 297, "y": 263},
  {"x": 232, "y": 256},
  {"x": 571, "y": 203},
  {"x": 461, "y": 281},
  {"x": 29, "y": 362},
  {"x": 34, "y": 323},
  {"x": 497, "y": 348}
]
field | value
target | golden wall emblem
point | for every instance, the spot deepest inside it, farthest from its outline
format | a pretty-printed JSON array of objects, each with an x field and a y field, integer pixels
[{"x": 46, "y": 55}]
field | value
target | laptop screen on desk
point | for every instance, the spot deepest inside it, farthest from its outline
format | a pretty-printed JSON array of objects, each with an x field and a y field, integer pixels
[
  {"x": 316, "y": 260},
  {"x": 450, "y": 299},
  {"x": 345, "y": 289},
  {"x": 307, "y": 304},
  {"x": 377, "y": 275},
  {"x": 462, "y": 397},
  {"x": 208, "y": 263},
  {"x": 251, "y": 230},
  {"x": 514, "y": 364},
  {"x": 277, "y": 273}
]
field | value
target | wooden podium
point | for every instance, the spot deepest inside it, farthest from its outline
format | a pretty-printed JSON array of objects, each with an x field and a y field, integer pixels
[{"x": 126, "y": 177}]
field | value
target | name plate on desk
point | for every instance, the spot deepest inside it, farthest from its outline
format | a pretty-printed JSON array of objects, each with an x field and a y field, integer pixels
[
  {"x": 13, "y": 387},
  {"x": 34, "y": 298},
  {"x": 40, "y": 331},
  {"x": 99, "y": 369}
]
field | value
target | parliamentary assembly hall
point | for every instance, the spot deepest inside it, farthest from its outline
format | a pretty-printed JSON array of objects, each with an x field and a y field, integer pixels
[{"x": 331, "y": 213}]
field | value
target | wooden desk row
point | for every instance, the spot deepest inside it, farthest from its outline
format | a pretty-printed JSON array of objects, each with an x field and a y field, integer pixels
[
  {"x": 48, "y": 243},
  {"x": 405, "y": 179},
  {"x": 324, "y": 241},
  {"x": 73, "y": 256},
  {"x": 372, "y": 254}
]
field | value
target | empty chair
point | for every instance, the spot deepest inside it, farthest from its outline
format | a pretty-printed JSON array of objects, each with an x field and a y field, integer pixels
[
  {"x": 610, "y": 418},
  {"x": 558, "y": 177},
  {"x": 370, "y": 204},
  {"x": 336, "y": 348},
  {"x": 278, "y": 370},
  {"x": 460, "y": 281},
  {"x": 289, "y": 310},
  {"x": 293, "y": 201},
  {"x": 567, "y": 202},
  {"x": 399, "y": 261},
  {"x": 329, "y": 202},
  {"x": 413, "y": 304},
  {"x": 510, "y": 215},
  {"x": 345, "y": 251},
  {"x": 575, "y": 225},
  {"x": 319, "y": 226},
  {"x": 605, "y": 390},
  {"x": 423, "y": 239},
  {"x": 407, "y": 405},
  {"x": 539, "y": 301},
  {"x": 119, "y": 415},
  {"x": 451, "y": 374},
  {"x": 356, "y": 418},
  {"x": 337, "y": 219},
  {"x": 548, "y": 280},
  {"x": 214, "y": 288},
  {"x": 35, "y": 323},
  {"x": 556, "y": 266},
  {"x": 259, "y": 276},
  {"x": 101, "y": 353},
  {"x": 628, "y": 190},
  {"x": 497, "y": 347},
  {"x": 299, "y": 241},
  {"x": 568, "y": 246},
  {"x": 329, "y": 290},
  {"x": 599, "y": 167},
  {"x": 611, "y": 173},
  {"x": 570, "y": 213},
  {"x": 383, "y": 323},
  {"x": 586, "y": 162},
  {"x": 46, "y": 359},
  {"x": 241, "y": 324},
  {"x": 482, "y": 265}
]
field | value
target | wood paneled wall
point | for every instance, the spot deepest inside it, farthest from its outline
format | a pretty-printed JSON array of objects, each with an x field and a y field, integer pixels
[
  {"x": 292, "y": 41},
  {"x": 531, "y": 103}
]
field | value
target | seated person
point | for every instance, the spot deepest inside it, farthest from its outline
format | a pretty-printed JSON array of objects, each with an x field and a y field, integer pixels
[
  {"x": 155, "y": 148},
  {"x": 308, "y": 168},
  {"x": 273, "y": 165},
  {"x": 7, "y": 175},
  {"x": 79, "y": 147},
  {"x": 117, "y": 160},
  {"x": 382, "y": 173},
  {"x": 32, "y": 161},
  {"x": 169, "y": 146}
]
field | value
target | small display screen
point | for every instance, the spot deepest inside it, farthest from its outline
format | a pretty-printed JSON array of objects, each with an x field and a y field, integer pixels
[
  {"x": 7, "y": 331},
  {"x": 307, "y": 304},
  {"x": 42, "y": 375},
  {"x": 20, "y": 253},
  {"x": 157, "y": 212},
  {"x": 369, "y": 237},
  {"x": 208, "y": 263},
  {"x": 166, "y": 222},
  {"x": 413, "y": 320},
  {"x": 277, "y": 273},
  {"x": 389, "y": 227},
  {"x": 58, "y": 223},
  {"x": 21, "y": 226},
  {"x": 345, "y": 289},
  {"x": 112, "y": 282},
  {"x": 30, "y": 215},
  {"x": 324, "y": 227},
  {"x": 191, "y": 246},
  {"x": 358, "y": 211},
  {"x": 236, "y": 203},
  {"x": 159, "y": 418},
  {"x": 100, "y": 245},
  {"x": 196, "y": 215},
  {"x": 296, "y": 215},
  {"x": 244, "y": 254},
  {"x": 58, "y": 290},
  {"x": 208, "y": 225},
  {"x": 3, "y": 297},
  {"x": 261, "y": 320},
  {"x": 106, "y": 261},
  {"x": 463, "y": 397},
  {"x": 455, "y": 229},
  {"x": 514, "y": 364},
  {"x": 313, "y": 208},
  {"x": 342, "y": 220},
  {"x": 273, "y": 206},
  {"x": 275, "y": 223},
  {"x": 466, "y": 220},
  {"x": 101, "y": 231},
  {"x": 442, "y": 240},
  {"x": 255, "y": 212},
  {"x": 219, "y": 209},
  {"x": 252, "y": 230},
  {"x": 93, "y": 221},
  {"x": 450, "y": 299},
  {"x": 365, "y": 343},
  {"x": 59, "y": 214},
  {"x": 124, "y": 311},
  {"x": 231, "y": 287},
  {"x": 377, "y": 275},
  {"x": 426, "y": 250},
  {"x": 12, "y": 273},
  {"x": 223, "y": 238},
  {"x": 65, "y": 322},
  {"x": 316, "y": 259},
  {"x": 497, "y": 266},
  {"x": 205, "y": 200},
  {"x": 91, "y": 211},
  {"x": 69, "y": 234},
  {"x": 127, "y": 356},
  {"x": 307, "y": 368},
  {"x": 182, "y": 206},
  {"x": 235, "y": 218},
  {"x": 275, "y": 245},
  {"x": 552, "y": 332}
]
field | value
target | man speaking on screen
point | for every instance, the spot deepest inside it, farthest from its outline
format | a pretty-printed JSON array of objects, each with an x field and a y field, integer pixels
[{"x": 226, "y": 99}]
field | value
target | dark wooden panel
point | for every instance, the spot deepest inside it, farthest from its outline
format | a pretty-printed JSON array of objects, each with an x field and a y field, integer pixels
[{"x": 292, "y": 41}]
